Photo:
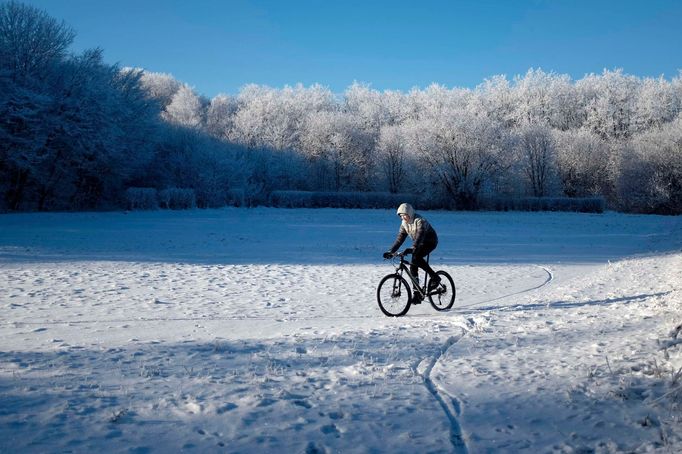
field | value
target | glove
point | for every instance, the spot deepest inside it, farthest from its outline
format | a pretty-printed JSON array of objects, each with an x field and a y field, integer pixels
[
  {"x": 388, "y": 255},
  {"x": 408, "y": 251}
]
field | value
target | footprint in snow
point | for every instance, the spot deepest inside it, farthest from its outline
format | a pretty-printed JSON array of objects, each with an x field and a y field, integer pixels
[
  {"x": 227, "y": 407},
  {"x": 313, "y": 448},
  {"x": 303, "y": 403},
  {"x": 336, "y": 415},
  {"x": 266, "y": 402},
  {"x": 330, "y": 429}
]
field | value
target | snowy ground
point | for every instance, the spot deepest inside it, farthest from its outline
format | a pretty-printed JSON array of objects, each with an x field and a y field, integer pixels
[{"x": 258, "y": 330}]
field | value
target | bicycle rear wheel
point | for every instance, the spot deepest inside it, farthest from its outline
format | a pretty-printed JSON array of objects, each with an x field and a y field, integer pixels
[
  {"x": 393, "y": 295},
  {"x": 443, "y": 297}
]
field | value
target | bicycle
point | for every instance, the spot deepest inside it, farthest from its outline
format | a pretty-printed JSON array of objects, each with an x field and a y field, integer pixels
[{"x": 395, "y": 296}]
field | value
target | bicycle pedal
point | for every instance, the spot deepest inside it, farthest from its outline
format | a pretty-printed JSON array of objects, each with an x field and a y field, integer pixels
[{"x": 437, "y": 291}]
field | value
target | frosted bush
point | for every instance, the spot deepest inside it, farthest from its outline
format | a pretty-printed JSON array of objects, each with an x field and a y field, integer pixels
[
  {"x": 178, "y": 198},
  {"x": 575, "y": 204},
  {"x": 142, "y": 199},
  {"x": 311, "y": 199}
]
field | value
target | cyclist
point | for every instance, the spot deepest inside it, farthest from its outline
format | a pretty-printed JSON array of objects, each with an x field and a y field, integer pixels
[{"x": 424, "y": 241}]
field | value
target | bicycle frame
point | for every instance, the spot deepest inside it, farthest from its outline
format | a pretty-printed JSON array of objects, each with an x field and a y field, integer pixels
[{"x": 404, "y": 267}]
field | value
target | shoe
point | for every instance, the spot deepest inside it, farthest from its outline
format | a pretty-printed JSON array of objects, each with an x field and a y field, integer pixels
[
  {"x": 434, "y": 283},
  {"x": 416, "y": 298}
]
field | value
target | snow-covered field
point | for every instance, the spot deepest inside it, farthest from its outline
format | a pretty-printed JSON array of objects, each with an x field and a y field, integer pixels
[{"x": 257, "y": 330}]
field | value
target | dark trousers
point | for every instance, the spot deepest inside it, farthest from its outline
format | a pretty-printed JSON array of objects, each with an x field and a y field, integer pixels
[{"x": 418, "y": 260}]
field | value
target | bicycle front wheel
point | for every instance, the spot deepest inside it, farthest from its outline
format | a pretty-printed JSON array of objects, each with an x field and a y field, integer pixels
[
  {"x": 393, "y": 295},
  {"x": 443, "y": 297}
]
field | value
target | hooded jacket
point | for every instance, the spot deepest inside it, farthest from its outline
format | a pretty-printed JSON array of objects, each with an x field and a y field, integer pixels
[{"x": 418, "y": 229}]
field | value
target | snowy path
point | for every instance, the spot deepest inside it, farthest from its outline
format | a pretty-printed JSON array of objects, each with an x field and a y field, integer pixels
[{"x": 243, "y": 330}]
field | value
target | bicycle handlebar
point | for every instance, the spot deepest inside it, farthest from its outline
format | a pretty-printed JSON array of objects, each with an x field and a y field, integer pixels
[{"x": 402, "y": 254}]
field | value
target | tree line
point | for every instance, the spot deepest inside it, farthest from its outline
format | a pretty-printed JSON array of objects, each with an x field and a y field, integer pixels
[{"x": 78, "y": 133}]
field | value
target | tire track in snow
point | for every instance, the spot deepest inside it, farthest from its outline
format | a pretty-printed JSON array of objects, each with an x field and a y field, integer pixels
[
  {"x": 548, "y": 280},
  {"x": 449, "y": 404}
]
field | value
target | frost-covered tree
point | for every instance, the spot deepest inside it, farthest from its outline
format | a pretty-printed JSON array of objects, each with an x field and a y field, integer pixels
[
  {"x": 263, "y": 118},
  {"x": 656, "y": 104},
  {"x": 549, "y": 98},
  {"x": 161, "y": 87},
  {"x": 396, "y": 106},
  {"x": 191, "y": 160},
  {"x": 98, "y": 130},
  {"x": 326, "y": 165},
  {"x": 494, "y": 99},
  {"x": 371, "y": 108},
  {"x": 437, "y": 101},
  {"x": 185, "y": 109},
  {"x": 582, "y": 163},
  {"x": 220, "y": 117},
  {"x": 30, "y": 40},
  {"x": 537, "y": 157},
  {"x": 31, "y": 45},
  {"x": 463, "y": 151},
  {"x": 339, "y": 150},
  {"x": 273, "y": 118},
  {"x": 609, "y": 101},
  {"x": 74, "y": 128},
  {"x": 393, "y": 157},
  {"x": 650, "y": 172},
  {"x": 22, "y": 133}
]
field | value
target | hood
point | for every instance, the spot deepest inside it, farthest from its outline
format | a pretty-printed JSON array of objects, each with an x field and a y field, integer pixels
[{"x": 407, "y": 209}]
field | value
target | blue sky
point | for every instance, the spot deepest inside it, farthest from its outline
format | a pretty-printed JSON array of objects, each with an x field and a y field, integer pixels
[{"x": 219, "y": 46}]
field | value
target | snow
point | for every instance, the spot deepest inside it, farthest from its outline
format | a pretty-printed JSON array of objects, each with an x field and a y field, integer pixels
[{"x": 244, "y": 330}]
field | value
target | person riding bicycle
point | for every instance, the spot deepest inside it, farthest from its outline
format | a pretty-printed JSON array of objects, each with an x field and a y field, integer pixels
[{"x": 424, "y": 241}]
